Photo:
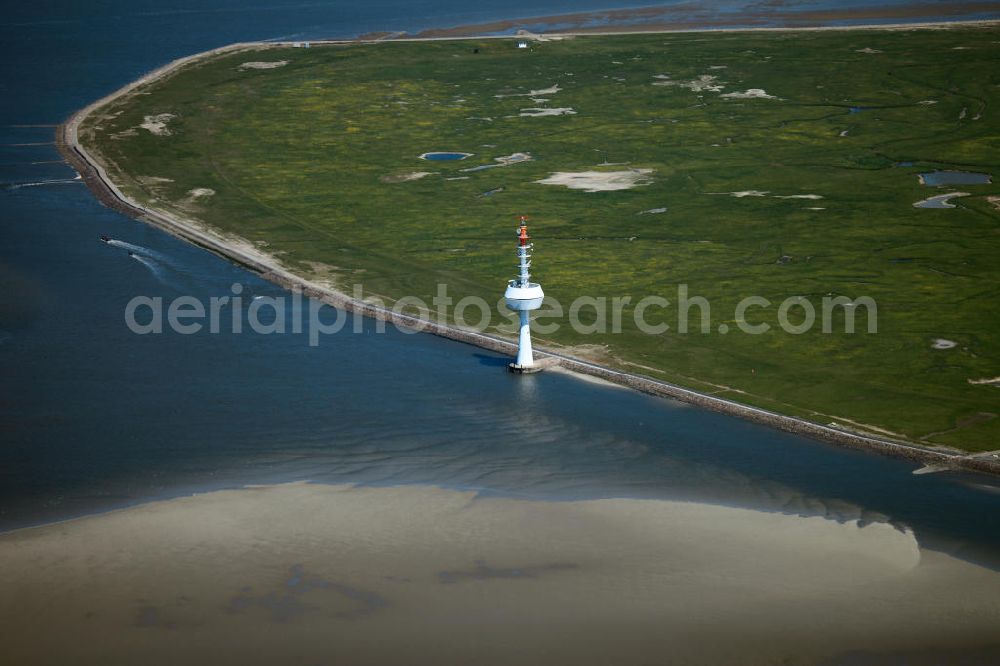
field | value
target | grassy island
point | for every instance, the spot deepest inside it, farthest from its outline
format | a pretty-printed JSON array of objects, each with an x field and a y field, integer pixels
[{"x": 773, "y": 164}]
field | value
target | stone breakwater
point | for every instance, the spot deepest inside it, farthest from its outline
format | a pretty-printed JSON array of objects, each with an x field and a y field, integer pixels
[{"x": 267, "y": 267}]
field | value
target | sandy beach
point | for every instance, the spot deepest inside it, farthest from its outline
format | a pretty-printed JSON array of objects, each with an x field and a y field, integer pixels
[{"x": 341, "y": 574}]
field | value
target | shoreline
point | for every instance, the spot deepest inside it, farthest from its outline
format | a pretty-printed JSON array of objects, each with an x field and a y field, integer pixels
[{"x": 269, "y": 268}]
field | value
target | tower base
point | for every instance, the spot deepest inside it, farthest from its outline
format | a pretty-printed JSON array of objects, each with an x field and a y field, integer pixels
[{"x": 523, "y": 369}]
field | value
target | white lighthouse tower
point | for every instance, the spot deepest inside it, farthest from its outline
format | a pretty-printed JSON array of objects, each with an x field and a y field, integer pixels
[{"x": 524, "y": 296}]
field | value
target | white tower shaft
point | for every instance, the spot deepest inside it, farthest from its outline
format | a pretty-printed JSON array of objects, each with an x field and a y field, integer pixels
[{"x": 525, "y": 359}]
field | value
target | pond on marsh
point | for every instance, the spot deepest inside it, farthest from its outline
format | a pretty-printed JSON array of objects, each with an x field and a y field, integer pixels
[
  {"x": 940, "y": 201},
  {"x": 444, "y": 156},
  {"x": 954, "y": 178}
]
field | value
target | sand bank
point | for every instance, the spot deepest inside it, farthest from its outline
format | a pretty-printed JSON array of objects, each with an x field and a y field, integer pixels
[{"x": 307, "y": 573}]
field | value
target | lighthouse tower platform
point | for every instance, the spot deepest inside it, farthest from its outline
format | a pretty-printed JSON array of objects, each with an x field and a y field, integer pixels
[{"x": 523, "y": 296}]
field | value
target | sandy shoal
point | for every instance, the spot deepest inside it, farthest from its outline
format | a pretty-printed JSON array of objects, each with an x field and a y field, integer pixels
[{"x": 305, "y": 573}]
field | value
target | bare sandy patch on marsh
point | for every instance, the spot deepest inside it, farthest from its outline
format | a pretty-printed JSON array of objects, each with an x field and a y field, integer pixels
[
  {"x": 157, "y": 124},
  {"x": 195, "y": 197},
  {"x": 405, "y": 177},
  {"x": 743, "y": 193},
  {"x": 599, "y": 181},
  {"x": 750, "y": 93},
  {"x": 540, "y": 92},
  {"x": 539, "y": 112},
  {"x": 703, "y": 83},
  {"x": 257, "y": 64},
  {"x": 153, "y": 181},
  {"x": 502, "y": 161},
  {"x": 327, "y": 275}
]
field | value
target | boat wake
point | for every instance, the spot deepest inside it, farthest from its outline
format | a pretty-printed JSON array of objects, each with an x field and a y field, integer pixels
[
  {"x": 156, "y": 269},
  {"x": 163, "y": 267},
  {"x": 141, "y": 250},
  {"x": 39, "y": 183}
]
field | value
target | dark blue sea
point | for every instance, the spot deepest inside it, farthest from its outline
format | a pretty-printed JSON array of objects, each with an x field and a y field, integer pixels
[{"x": 94, "y": 417}]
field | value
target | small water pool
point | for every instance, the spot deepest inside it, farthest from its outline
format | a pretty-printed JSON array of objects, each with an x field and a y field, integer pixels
[
  {"x": 954, "y": 178},
  {"x": 445, "y": 156},
  {"x": 940, "y": 201}
]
